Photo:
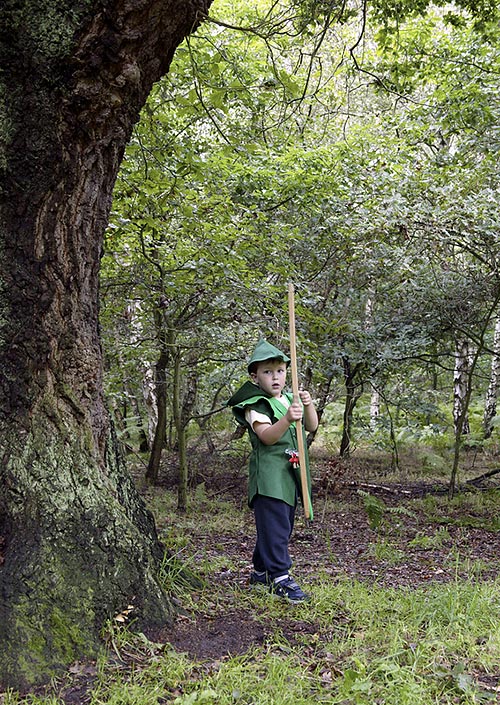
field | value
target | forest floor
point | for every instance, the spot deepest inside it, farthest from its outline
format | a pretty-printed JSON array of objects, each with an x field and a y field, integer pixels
[
  {"x": 371, "y": 525},
  {"x": 367, "y": 526}
]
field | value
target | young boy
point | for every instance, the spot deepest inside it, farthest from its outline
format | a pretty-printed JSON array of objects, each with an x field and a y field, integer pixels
[{"x": 273, "y": 487}]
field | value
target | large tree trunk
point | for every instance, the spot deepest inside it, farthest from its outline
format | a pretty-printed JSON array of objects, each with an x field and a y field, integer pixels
[{"x": 79, "y": 543}]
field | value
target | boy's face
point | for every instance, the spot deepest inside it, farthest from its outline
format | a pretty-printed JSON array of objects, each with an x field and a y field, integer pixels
[{"x": 270, "y": 375}]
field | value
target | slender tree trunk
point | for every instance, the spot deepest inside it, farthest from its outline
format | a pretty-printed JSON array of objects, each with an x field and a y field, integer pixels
[
  {"x": 180, "y": 428},
  {"x": 472, "y": 362},
  {"x": 462, "y": 385},
  {"x": 461, "y": 377},
  {"x": 490, "y": 406},
  {"x": 166, "y": 338},
  {"x": 434, "y": 386},
  {"x": 353, "y": 393},
  {"x": 323, "y": 397},
  {"x": 160, "y": 434},
  {"x": 148, "y": 377},
  {"x": 150, "y": 403},
  {"x": 374, "y": 408},
  {"x": 79, "y": 543},
  {"x": 375, "y": 395},
  {"x": 394, "y": 442}
]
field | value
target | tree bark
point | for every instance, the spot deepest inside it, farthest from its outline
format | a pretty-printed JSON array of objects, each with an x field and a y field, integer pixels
[
  {"x": 165, "y": 335},
  {"x": 490, "y": 406},
  {"x": 374, "y": 408},
  {"x": 180, "y": 429},
  {"x": 461, "y": 377},
  {"x": 353, "y": 392},
  {"x": 79, "y": 543},
  {"x": 150, "y": 403}
]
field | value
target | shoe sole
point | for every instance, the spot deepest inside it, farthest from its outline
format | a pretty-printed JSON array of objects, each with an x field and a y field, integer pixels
[{"x": 292, "y": 602}]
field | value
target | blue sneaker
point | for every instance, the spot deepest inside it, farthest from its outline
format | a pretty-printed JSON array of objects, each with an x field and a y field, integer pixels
[
  {"x": 260, "y": 580},
  {"x": 288, "y": 590}
]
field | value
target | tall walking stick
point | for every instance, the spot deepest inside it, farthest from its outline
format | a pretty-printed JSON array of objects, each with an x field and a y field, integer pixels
[{"x": 296, "y": 398}]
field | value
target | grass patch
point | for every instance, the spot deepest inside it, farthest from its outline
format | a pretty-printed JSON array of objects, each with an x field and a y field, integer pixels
[
  {"x": 372, "y": 645},
  {"x": 428, "y": 542},
  {"x": 469, "y": 509},
  {"x": 386, "y": 552}
]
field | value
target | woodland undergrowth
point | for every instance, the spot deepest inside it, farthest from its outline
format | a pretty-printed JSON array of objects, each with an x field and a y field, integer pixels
[{"x": 404, "y": 609}]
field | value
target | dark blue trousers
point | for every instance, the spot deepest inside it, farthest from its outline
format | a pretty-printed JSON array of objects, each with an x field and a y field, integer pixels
[{"x": 274, "y": 521}]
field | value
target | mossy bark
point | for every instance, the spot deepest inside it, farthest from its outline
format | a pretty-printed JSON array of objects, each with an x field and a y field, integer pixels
[
  {"x": 81, "y": 547},
  {"x": 79, "y": 544}
]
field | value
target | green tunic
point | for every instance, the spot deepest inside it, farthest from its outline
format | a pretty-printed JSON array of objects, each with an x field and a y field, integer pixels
[{"x": 270, "y": 471}]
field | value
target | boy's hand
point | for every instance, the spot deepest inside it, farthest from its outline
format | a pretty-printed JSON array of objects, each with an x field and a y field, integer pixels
[
  {"x": 270, "y": 433},
  {"x": 294, "y": 412},
  {"x": 310, "y": 415},
  {"x": 305, "y": 397}
]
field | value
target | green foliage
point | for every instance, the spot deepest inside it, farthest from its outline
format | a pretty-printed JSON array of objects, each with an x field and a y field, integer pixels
[
  {"x": 467, "y": 509},
  {"x": 176, "y": 576},
  {"x": 427, "y": 542},
  {"x": 386, "y": 553},
  {"x": 374, "y": 507},
  {"x": 262, "y": 157},
  {"x": 208, "y": 696},
  {"x": 377, "y": 510}
]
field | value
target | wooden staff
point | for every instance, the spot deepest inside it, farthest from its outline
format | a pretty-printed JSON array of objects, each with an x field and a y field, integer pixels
[{"x": 296, "y": 398}]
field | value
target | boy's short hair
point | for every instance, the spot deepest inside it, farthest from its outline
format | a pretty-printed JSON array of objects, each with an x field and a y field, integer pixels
[
  {"x": 253, "y": 366},
  {"x": 265, "y": 351}
]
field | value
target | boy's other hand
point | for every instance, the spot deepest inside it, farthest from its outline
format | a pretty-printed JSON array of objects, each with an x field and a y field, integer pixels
[{"x": 305, "y": 397}]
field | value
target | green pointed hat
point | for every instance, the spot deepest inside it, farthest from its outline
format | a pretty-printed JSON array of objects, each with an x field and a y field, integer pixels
[{"x": 266, "y": 351}]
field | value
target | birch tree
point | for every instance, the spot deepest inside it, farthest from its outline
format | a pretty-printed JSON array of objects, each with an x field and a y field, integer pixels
[
  {"x": 461, "y": 382},
  {"x": 490, "y": 405}
]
